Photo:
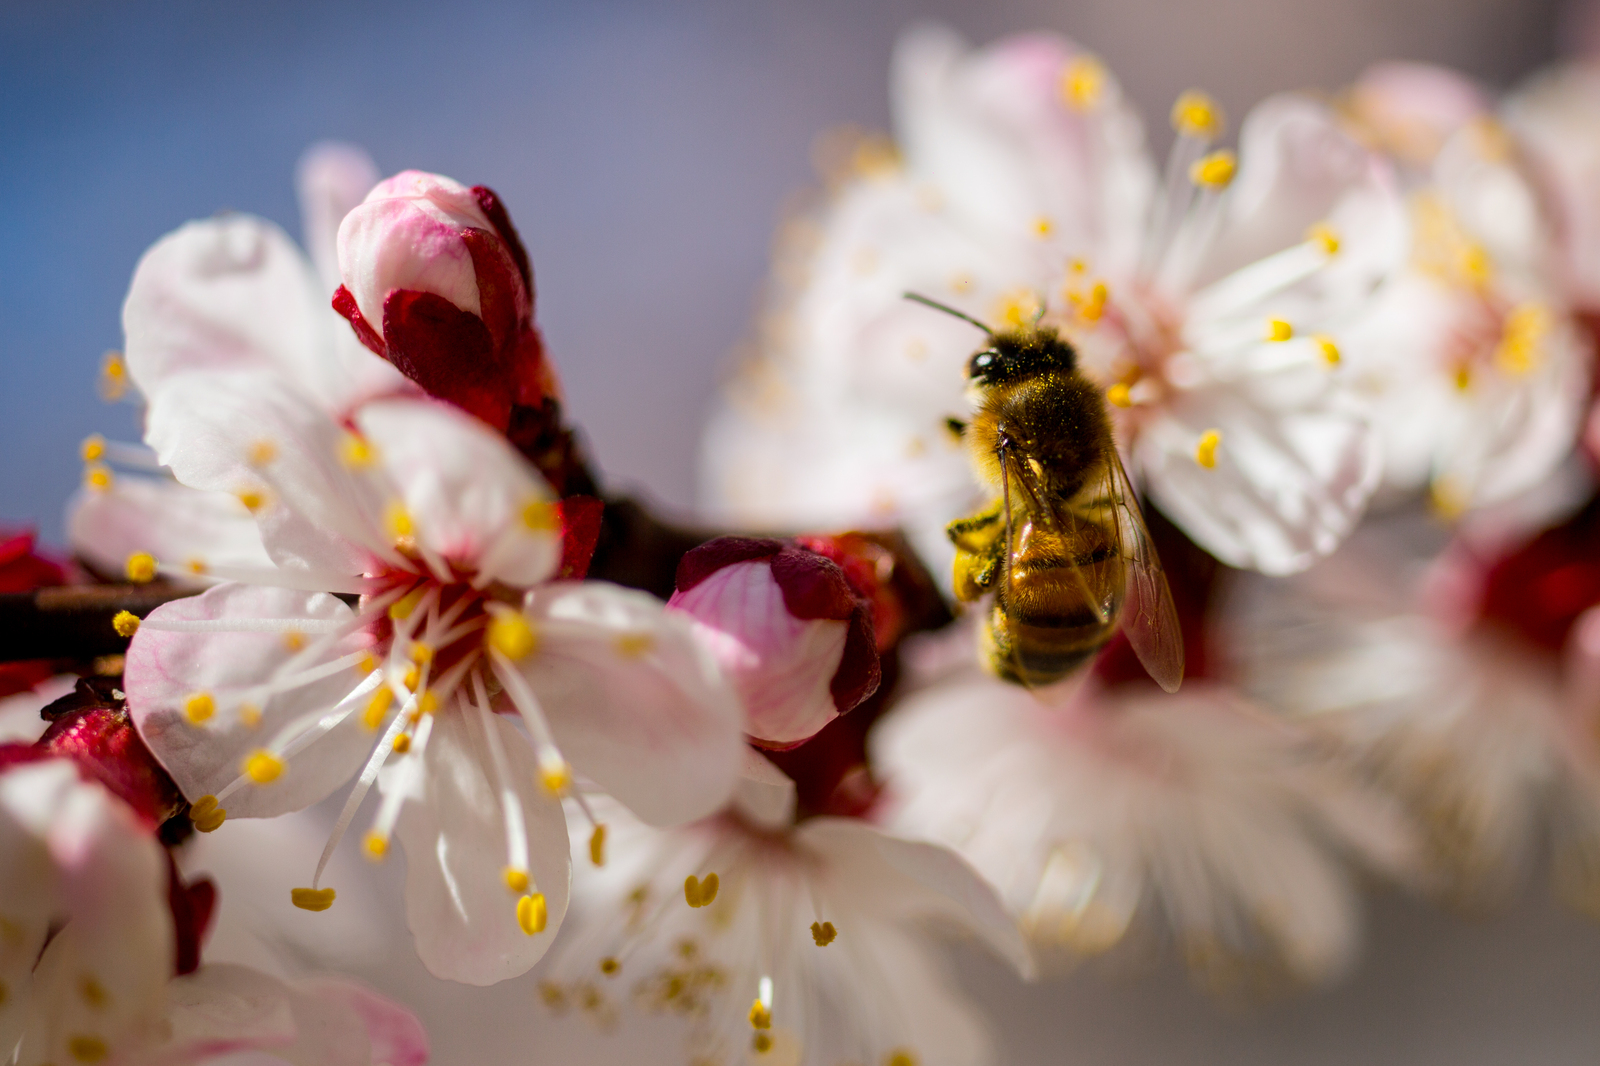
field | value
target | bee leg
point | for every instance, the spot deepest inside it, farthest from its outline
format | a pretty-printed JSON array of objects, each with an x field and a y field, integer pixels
[{"x": 980, "y": 544}]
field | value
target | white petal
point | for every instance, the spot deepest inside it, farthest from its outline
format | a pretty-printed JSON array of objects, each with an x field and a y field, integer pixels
[
  {"x": 168, "y": 520},
  {"x": 633, "y": 700},
  {"x": 331, "y": 178},
  {"x": 462, "y": 914},
  {"x": 165, "y": 669}
]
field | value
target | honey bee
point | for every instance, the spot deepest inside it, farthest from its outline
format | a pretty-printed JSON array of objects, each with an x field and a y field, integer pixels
[{"x": 1063, "y": 548}]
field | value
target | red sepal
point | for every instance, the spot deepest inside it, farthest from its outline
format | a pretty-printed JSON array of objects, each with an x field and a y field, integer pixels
[
  {"x": 193, "y": 906},
  {"x": 495, "y": 211},
  {"x": 90, "y": 726},
  {"x": 446, "y": 350},
  {"x": 1539, "y": 590},
  {"x": 344, "y": 302},
  {"x": 580, "y": 518}
]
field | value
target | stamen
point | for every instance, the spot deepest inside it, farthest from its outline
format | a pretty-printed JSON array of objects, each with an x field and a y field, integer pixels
[
  {"x": 261, "y": 452},
  {"x": 540, "y": 516},
  {"x": 397, "y": 521},
  {"x": 516, "y": 880},
  {"x": 1083, "y": 83},
  {"x": 532, "y": 914},
  {"x": 126, "y": 623},
  {"x": 1278, "y": 330},
  {"x": 374, "y": 845},
  {"x": 510, "y": 803},
  {"x": 93, "y": 448},
  {"x": 199, "y": 707},
  {"x": 1215, "y": 170},
  {"x": 141, "y": 568},
  {"x": 823, "y": 933},
  {"x": 1120, "y": 395},
  {"x": 402, "y": 608},
  {"x": 402, "y": 743},
  {"x": 760, "y": 1015},
  {"x": 369, "y": 774},
  {"x": 597, "y": 845},
  {"x": 610, "y": 966},
  {"x": 113, "y": 377},
  {"x": 700, "y": 893},
  {"x": 1329, "y": 350},
  {"x": 377, "y": 707},
  {"x": 253, "y": 499},
  {"x": 900, "y": 1057},
  {"x": 1197, "y": 115},
  {"x": 512, "y": 635},
  {"x": 249, "y": 715},
  {"x": 1325, "y": 237},
  {"x": 206, "y": 815},
  {"x": 98, "y": 477},
  {"x": 356, "y": 453},
  {"x": 87, "y": 1049},
  {"x": 312, "y": 899},
  {"x": 263, "y": 767},
  {"x": 1205, "y": 453}
]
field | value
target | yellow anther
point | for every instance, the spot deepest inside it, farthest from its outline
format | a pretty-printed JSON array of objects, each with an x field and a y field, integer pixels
[
  {"x": 375, "y": 845},
  {"x": 413, "y": 677},
  {"x": 199, "y": 707},
  {"x": 1092, "y": 307},
  {"x": 93, "y": 448},
  {"x": 1325, "y": 237},
  {"x": 634, "y": 645},
  {"x": 610, "y": 966},
  {"x": 98, "y": 477},
  {"x": 1448, "y": 498},
  {"x": 1017, "y": 308},
  {"x": 532, "y": 914},
  {"x": 249, "y": 715},
  {"x": 1278, "y": 330},
  {"x": 356, "y": 453},
  {"x": 262, "y": 452},
  {"x": 512, "y": 635},
  {"x": 1520, "y": 339},
  {"x": 206, "y": 815},
  {"x": 253, "y": 499},
  {"x": 402, "y": 743},
  {"x": 540, "y": 516},
  {"x": 126, "y": 623},
  {"x": 294, "y": 640},
  {"x": 760, "y": 1015},
  {"x": 366, "y": 664},
  {"x": 377, "y": 707},
  {"x": 1463, "y": 378},
  {"x": 312, "y": 899},
  {"x": 1083, "y": 83},
  {"x": 900, "y": 1057},
  {"x": 556, "y": 777},
  {"x": 397, "y": 521},
  {"x": 401, "y": 609},
  {"x": 420, "y": 652},
  {"x": 141, "y": 568},
  {"x": 1043, "y": 227},
  {"x": 428, "y": 702},
  {"x": 113, "y": 376},
  {"x": 1205, "y": 452},
  {"x": 195, "y": 566},
  {"x": 1214, "y": 170},
  {"x": 823, "y": 933},
  {"x": 700, "y": 893},
  {"x": 761, "y": 1042},
  {"x": 93, "y": 992},
  {"x": 1197, "y": 115},
  {"x": 516, "y": 880},
  {"x": 263, "y": 767},
  {"x": 1328, "y": 349},
  {"x": 597, "y": 845},
  {"x": 1119, "y": 395},
  {"x": 87, "y": 1049}
]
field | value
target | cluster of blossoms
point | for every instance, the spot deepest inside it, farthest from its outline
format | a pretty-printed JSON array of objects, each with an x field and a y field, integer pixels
[{"x": 1346, "y": 364}]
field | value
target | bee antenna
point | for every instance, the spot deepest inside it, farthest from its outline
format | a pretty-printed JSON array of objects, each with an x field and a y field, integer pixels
[{"x": 947, "y": 309}]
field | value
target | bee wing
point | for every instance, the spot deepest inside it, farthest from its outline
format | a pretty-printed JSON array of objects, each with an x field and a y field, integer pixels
[{"x": 1148, "y": 617}]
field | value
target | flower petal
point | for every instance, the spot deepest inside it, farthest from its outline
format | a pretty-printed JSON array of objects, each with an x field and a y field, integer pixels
[
  {"x": 165, "y": 519},
  {"x": 458, "y": 905},
  {"x": 228, "y": 665},
  {"x": 633, "y": 700}
]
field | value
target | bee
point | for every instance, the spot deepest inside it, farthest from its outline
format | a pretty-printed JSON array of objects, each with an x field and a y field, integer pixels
[{"x": 1063, "y": 548}]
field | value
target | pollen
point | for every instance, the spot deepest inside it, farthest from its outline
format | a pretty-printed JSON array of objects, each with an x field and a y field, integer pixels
[
  {"x": 126, "y": 623},
  {"x": 93, "y": 448},
  {"x": 356, "y": 453},
  {"x": 516, "y": 880},
  {"x": 199, "y": 707},
  {"x": 1083, "y": 83},
  {"x": 556, "y": 777},
  {"x": 397, "y": 521},
  {"x": 700, "y": 893},
  {"x": 141, "y": 568},
  {"x": 1043, "y": 227},
  {"x": 93, "y": 992},
  {"x": 375, "y": 845},
  {"x": 262, "y": 452},
  {"x": 196, "y": 566},
  {"x": 512, "y": 635},
  {"x": 760, "y": 1015},
  {"x": 263, "y": 767},
  {"x": 377, "y": 708},
  {"x": 762, "y": 1043},
  {"x": 249, "y": 715},
  {"x": 206, "y": 815},
  {"x": 900, "y": 1057},
  {"x": 401, "y": 743},
  {"x": 1119, "y": 395},
  {"x": 1215, "y": 170},
  {"x": 823, "y": 933},
  {"x": 1092, "y": 307},
  {"x": 1278, "y": 330},
  {"x": 413, "y": 677},
  {"x": 312, "y": 899},
  {"x": 1463, "y": 378},
  {"x": 88, "y": 1048},
  {"x": 294, "y": 640},
  {"x": 597, "y": 845},
  {"x": 532, "y": 914},
  {"x": 540, "y": 516},
  {"x": 1197, "y": 115},
  {"x": 1325, "y": 237},
  {"x": 98, "y": 477},
  {"x": 610, "y": 966},
  {"x": 401, "y": 609},
  {"x": 634, "y": 645},
  {"x": 1205, "y": 452},
  {"x": 253, "y": 499},
  {"x": 113, "y": 377}
]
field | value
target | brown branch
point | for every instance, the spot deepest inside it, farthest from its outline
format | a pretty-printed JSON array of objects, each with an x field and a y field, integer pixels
[{"x": 74, "y": 621}]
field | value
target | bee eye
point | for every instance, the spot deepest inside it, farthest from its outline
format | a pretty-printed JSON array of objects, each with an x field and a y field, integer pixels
[{"x": 982, "y": 363}]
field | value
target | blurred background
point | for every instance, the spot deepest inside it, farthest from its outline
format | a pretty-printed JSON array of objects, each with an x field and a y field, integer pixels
[{"x": 646, "y": 150}]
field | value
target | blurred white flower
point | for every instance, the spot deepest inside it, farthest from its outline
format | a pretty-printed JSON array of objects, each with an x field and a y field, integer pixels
[
  {"x": 1210, "y": 302},
  {"x": 1112, "y": 816},
  {"x": 781, "y": 943}
]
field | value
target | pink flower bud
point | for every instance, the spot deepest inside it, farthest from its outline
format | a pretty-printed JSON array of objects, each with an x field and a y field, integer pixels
[
  {"x": 787, "y": 628},
  {"x": 436, "y": 281}
]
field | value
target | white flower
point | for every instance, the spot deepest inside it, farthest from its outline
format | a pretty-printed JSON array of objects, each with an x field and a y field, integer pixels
[
  {"x": 1127, "y": 814},
  {"x": 782, "y": 943},
  {"x": 1211, "y": 303},
  {"x": 268, "y": 692},
  {"x": 87, "y": 952}
]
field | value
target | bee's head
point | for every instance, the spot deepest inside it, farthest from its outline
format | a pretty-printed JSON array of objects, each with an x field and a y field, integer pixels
[{"x": 1020, "y": 353}]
